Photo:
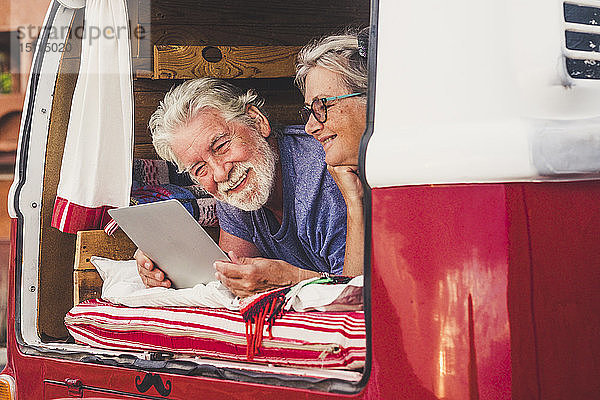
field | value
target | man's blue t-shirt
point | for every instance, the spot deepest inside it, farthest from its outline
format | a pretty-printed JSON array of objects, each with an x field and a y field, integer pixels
[{"x": 312, "y": 234}]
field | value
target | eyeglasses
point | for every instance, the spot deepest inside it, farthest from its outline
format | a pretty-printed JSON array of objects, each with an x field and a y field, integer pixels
[{"x": 318, "y": 108}]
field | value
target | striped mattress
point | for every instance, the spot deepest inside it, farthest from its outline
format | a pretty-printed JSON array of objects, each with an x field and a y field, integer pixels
[{"x": 308, "y": 339}]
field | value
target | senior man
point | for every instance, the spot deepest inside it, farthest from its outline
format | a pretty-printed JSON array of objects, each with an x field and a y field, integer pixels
[{"x": 282, "y": 217}]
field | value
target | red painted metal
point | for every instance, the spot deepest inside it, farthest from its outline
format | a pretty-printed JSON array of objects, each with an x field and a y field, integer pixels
[
  {"x": 433, "y": 248},
  {"x": 554, "y": 304},
  {"x": 527, "y": 255},
  {"x": 478, "y": 292}
]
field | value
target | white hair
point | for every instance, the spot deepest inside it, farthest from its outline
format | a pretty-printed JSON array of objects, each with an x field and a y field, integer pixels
[
  {"x": 336, "y": 53},
  {"x": 183, "y": 103}
]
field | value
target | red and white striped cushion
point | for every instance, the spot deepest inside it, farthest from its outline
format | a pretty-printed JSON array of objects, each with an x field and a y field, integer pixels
[{"x": 308, "y": 339}]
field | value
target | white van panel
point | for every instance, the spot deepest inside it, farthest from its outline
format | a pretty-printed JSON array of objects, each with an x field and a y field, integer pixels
[
  {"x": 30, "y": 196},
  {"x": 468, "y": 91}
]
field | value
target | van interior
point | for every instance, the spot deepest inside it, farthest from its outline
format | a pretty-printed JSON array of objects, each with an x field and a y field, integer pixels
[{"x": 163, "y": 33}]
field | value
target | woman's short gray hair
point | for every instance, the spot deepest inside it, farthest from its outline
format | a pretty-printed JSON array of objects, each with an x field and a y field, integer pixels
[
  {"x": 339, "y": 54},
  {"x": 182, "y": 103}
]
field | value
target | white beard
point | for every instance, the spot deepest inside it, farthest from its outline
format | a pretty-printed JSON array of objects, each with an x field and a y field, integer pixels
[{"x": 257, "y": 189}]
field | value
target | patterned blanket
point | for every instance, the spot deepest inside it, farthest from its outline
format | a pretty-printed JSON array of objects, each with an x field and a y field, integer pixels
[
  {"x": 306, "y": 339},
  {"x": 157, "y": 180}
]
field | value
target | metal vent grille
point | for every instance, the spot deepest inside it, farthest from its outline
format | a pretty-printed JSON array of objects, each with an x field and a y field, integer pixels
[{"x": 582, "y": 39}]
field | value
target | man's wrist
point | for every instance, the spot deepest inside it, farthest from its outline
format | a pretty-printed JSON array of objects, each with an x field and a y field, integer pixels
[{"x": 304, "y": 274}]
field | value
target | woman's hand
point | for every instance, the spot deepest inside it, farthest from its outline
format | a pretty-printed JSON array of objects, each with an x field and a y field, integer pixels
[
  {"x": 346, "y": 177},
  {"x": 245, "y": 276}
]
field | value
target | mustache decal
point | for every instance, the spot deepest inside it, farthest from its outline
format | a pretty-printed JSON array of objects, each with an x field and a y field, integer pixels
[{"x": 151, "y": 380}]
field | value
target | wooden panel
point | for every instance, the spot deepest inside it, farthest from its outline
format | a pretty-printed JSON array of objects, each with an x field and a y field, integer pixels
[
  {"x": 185, "y": 62},
  {"x": 243, "y": 34},
  {"x": 97, "y": 243},
  {"x": 163, "y": 86},
  {"x": 239, "y": 23},
  {"x": 87, "y": 285},
  {"x": 145, "y": 104},
  {"x": 265, "y": 13},
  {"x": 148, "y": 100},
  {"x": 141, "y": 130},
  {"x": 145, "y": 151},
  {"x": 57, "y": 249}
]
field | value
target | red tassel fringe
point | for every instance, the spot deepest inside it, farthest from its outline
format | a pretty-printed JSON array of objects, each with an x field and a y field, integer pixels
[{"x": 261, "y": 309}]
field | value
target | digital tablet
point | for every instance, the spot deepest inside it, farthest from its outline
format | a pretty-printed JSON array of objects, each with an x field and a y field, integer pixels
[{"x": 168, "y": 234}]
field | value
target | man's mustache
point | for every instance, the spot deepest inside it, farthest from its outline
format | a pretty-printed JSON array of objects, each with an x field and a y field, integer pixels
[{"x": 235, "y": 175}]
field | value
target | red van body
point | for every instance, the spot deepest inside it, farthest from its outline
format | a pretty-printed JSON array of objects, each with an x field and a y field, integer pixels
[{"x": 516, "y": 319}]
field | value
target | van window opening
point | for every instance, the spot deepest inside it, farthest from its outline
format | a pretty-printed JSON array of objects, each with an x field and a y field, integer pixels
[{"x": 146, "y": 91}]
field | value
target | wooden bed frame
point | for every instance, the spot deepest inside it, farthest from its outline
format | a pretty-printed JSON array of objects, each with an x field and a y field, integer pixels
[{"x": 87, "y": 283}]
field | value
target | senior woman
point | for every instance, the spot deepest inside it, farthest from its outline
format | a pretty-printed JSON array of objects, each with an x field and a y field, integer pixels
[{"x": 332, "y": 75}]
